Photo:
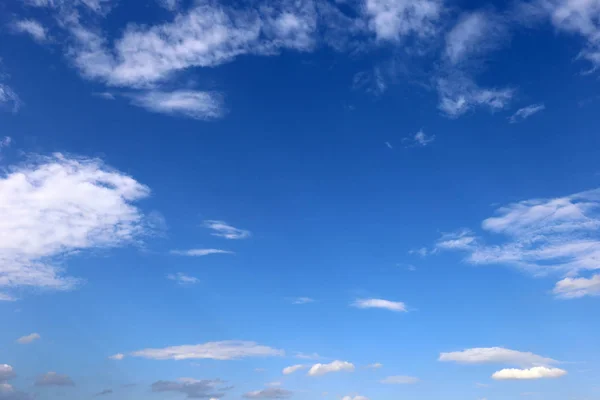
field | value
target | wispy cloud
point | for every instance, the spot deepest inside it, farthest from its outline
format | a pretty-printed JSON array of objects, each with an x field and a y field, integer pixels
[
  {"x": 496, "y": 355},
  {"x": 374, "y": 366},
  {"x": 396, "y": 306},
  {"x": 269, "y": 393},
  {"x": 420, "y": 139},
  {"x": 183, "y": 279},
  {"x": 224, "y": 350},
  {"x": 200, "y": 252},
  {"x": 8, "y": 98},
  {"x": 224, "y": 230},
  {"x": 311, "y": 356},
  {"x": 104, "y": 392},
  {"x": 32, "y": 28},
  {"x": 302, "y": 300},
  {"x": 393, "y": 20},
  {"x": 117, "y": 357},
  {"x": 335, "y": 366},
  {"x": 293, "y": 368},
  {"x": 57, "y": 205},
  {"x": 192, "y": 388},
  {"x": 54, "y": 379},
  {"x": 185, "y": 103},
  {"x": 526, "y": 374},
  {"x": 29, "y": 338},
  {"x": 526, "y": 112},
  {"x": 400, "y": 380}
]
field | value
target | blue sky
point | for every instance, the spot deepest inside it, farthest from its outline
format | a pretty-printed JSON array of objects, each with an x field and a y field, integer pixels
[{"x": 308, "y": 199}]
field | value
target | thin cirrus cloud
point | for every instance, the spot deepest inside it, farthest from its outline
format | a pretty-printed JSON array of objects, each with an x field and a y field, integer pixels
[
  {"x": 200, "y": 252},
  {"x": 374, "y": 366},
  {"x": 541, "y": 236},
  {"x": 496, "y": 355},
  {"x": 528, "y": 374},
  {"x": 57, "y": 205},
  {"x": 54, "y": 379},
  {"x": 396, "y": 306},
  {"x": 269, "y": 393},
  {"x": 293, "y": 368},
  {"x": 183, "y": 279},
  {"x": 9, "y": 100},
  {"x": 223, "y": 350},
  {"x": 420, "y": 139},
  {"x": 526, "y": 112},
  {"x": 302, "y": 300},
  {"x": 118, "y": 356},
  {"x": 399, "y": 380},
  {"x": 32, "y": 28},
  {"x": 334, "y": 366},
  {"x": 184, "y": 103},
  {"x": 28, "y": 338},
  {"x": 224, "y": 230}
]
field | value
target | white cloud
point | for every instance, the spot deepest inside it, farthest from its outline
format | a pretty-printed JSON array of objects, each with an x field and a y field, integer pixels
[
  {"x": 7, "y": 297},
  {"x": 294, "y": 368},
  {"x": 355, "y": 398},
  {"x": 183, "y": 279},
  {"x": 374, "y": 366},
  {"x": 394, "y": 19},
  {"x": 557, "y": 235},
  {"x": 224, "y": 350},
  {"x": 184, "y": 103},
  {"x": 302, "y": 300},
  {"x": 496, "y": 355},
  {"x": 570, "y": 288},
  {"x": 311, "y": 356},
  {"x": 269, "y": 393},
  {"x": 459, "y": 94},
  {"x": 461, "y": 240},
  {"x": 473, "y": 34},
  {"x": 400, "y": 380},
  {"x": 54, "y": 379},
  {"x": 118, "y": 356},
  {"x": 526, "y": 112},
  {"x": 6, "y": 373},
  {"x": 8, "y": 98},
  {"x": 396, "y": 306},
  {"x": 420, "y": 139},
  {"x": 5, "y": 142},
  {"x": 335, "y": 366},
  {"x": 29, "y": 338},
  {"x": 200, "y": 252},
  {"x": 532, "y": 373},
  {"x": 171, "y": 5},
  {"x": 224, "y": 230},
  {"x": 192, "y": 388},
  {"x": 32, "y": 28},
  {"x": 55, "y": 206}
]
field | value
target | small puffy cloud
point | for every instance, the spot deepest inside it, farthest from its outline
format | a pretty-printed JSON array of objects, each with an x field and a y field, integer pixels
[
  {"x": 293, "y": 368},
  {"x": 58, "y": 205},
  {"x": 104, "y": 392},
  {"x": 355, "y": 398},
  {"x": 526, "y": 112},
  {"x": 54, "y": 379},
  {"x": 224, "y": 350},
  {"x": 118, "y": 356},
  {"x": 183, "y": 279},
  {"x": 6, "y": 372},
  {"x": 8, "y": 392},
  {"x": 192, "y": 388},
  {"x": 5, "y": 142},
  {"x": 32, "y": 28},
  {"x": 224, "y": 230},
  {"x": 335, "y": 366},
  {"x": 496, "y": 355},
  {"x": 420, "y": 139},
  {"x": 308, "y": 356},
  {"x": 269, "y": 393},
  {"x": 531, "y": 373},
  {"x": 392, "y": 20},
  {"x": 400, "y": 380},
  {"x": 184, "y": 103},
  {"x": 200, "y": 252},
  {"x": 28, "y": 339},
  {"x": 396, "y": 306},
  {"x": 374, "y": 366},
  {"x": 571, "y": 288}
]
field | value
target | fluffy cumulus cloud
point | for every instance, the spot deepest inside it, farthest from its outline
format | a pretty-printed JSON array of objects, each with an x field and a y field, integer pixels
[
  {"x": 6, "y": 373},
  {"x": 28, "y": 338},
  {"x": 526, "y": 112},
  {"x": 192, "y": 388},
  {"x": 8, "y": 392},
  {"x": 293, "y": 368},
  {"x": 400, "y": 380},
  {"x": 335, "y": 366},
  {"x": 225, "y": 350},
  {"x": 31, "y": 27},
  {"x": 531, "y": 373},
  {"x": 555, "y": 235},
  {"x": 396, "y": 306},
  {"x": 186, "y": 103},
  {"x": 224, "y": 230},
  {"x": 269, "y": 393},
  {"x": 59, "y": 205},
  {"x": 496, "y": 355},
  {"x": 571, "y": 288},
  {"x": 54, "y": 379}
]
